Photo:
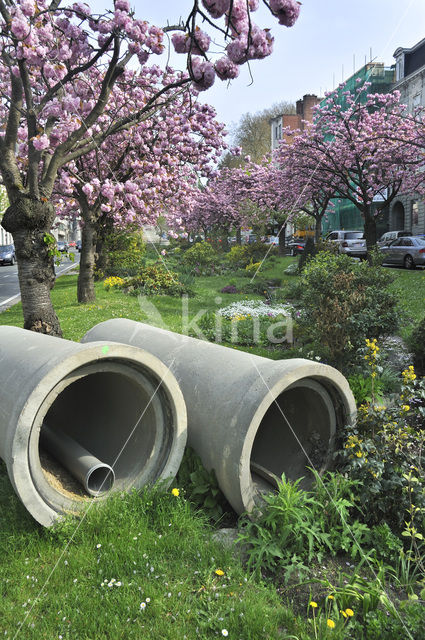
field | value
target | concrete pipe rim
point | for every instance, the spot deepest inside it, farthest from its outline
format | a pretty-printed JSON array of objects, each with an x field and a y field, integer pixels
[
  {"x": 100, "y": 355},
  {"x": 335, "y": 389}
]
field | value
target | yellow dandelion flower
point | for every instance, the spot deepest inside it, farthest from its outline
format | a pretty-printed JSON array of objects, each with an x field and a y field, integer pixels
[
  {"x": 175, "y": 492},
  {"x": 343, "y": 613},
  {"x": 330, "y": 623},
  {"x": 349, "y": 613},
  {"x": 219, "y": 572},
  {"x": 313, "y": 604},
  {"x": 330, "y": 598}
]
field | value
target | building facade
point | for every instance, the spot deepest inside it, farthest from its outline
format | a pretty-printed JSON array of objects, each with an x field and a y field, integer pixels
[
  {"x": 408, "y": 210},
  {"x": 304, "y": 111}
]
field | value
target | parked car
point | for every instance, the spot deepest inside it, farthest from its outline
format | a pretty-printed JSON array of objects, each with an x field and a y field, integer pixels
[
  {"x": 7, "y": 254},
  {"x": 62, "y": 246},
  {"x": 296, "y": 247},
  {"x": 71, "y": 243},
  {"x": 408, "y": 252},
  {"x": 389, "y": 236},
  {"x": 352, "y": 243}
]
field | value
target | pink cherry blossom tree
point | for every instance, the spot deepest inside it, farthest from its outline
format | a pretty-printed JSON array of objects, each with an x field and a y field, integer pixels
[
  {"x": 297, "y": 186},
  {"x": 231, "y": 200},
  {"x": 137, "y": 175},
  {"x": 50, "y": 115},
  {"x": 363, "y": 152}
]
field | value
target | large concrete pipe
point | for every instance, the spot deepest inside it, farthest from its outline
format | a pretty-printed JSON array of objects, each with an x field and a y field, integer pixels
[
  {"x": 250, "y": 419},
  {"x": 117, "y": 405}
]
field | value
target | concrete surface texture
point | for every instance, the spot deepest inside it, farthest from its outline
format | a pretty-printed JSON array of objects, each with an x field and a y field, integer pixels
[
  {"x": 120, "y": 403},
  {"x": 250, "y": 419}
]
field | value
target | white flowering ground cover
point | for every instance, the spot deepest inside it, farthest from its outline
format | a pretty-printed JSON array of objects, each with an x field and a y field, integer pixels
[{"x": 255, "y": 309}]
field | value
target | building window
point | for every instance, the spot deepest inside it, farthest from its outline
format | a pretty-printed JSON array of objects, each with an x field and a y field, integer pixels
[
  {"x": 415, "y": 213},
  {"x": 399, "y": 68}
]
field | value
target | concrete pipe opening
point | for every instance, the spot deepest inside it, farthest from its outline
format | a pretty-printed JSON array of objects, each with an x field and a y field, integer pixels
[
  {"x": 90, "y": 419},
  {"x": 295, "y": 434}
]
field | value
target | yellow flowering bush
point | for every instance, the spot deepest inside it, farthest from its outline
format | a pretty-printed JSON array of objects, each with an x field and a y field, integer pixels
[
  {"x": 113, "y": 281},
  {"x": 156, "y": 280},
  {"x": 252, "y": 267},
  {"x": 384, "y": 451}
]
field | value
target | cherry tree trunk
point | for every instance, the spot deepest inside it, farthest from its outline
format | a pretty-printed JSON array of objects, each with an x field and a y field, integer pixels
[
  {"x": 281, "y": 236},
  {"x": 369, "y": 229},
  {"x": 318, "y": 230},
  {"x": 85, "y": 286},
  {"x": 29, "y": 220},
  {"x": 238, "y": 236}
]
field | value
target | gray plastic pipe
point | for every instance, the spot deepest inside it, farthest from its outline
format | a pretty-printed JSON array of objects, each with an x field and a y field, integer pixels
[
  {"x": 250, "y": 419},
  {"x": 120, "y": 403},
  {"x": 95, "y": 476}
]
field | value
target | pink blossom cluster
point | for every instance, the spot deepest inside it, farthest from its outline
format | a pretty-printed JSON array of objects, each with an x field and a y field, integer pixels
[
  {"x": 196, "y": 43},
  {"x": 245, "y": 40},
  {"x": 203, "y": 73},
  {"x": 286, "y": 10},
  {"x": 216, "y": 8}
]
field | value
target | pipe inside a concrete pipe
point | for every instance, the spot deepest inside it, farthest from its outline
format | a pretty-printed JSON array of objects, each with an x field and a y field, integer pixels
[
  {"x": 95, "y": 476},
  {"x": 119, "y": 403}
]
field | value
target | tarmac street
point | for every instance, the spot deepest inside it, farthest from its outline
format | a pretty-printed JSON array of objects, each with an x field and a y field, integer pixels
[{"x": 9, "y": 285}]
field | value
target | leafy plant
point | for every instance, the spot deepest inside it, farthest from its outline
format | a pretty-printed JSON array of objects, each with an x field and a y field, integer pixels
[
  {"x": 155, "y": 280},
  {"x": 357, "y": 593},
  {"x": 200, "y": 258},
  {"x": 201, "y": 486},
  {"x": 124, "y": 253},
  {"x": 341, "y": 303},
  {"x": 384, "y": 451},
  {"x": 417, "y": 344},
  {"x": 294, "y": 526}
]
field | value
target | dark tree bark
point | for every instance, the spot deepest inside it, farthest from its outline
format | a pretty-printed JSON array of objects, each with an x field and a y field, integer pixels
[
  {"x": 281, "y": 236},
  {"x": 318, "y": 229},
  {"x": 369, "y": 230},
  {"x": 85, "y": 286},
  {"x": 238, "y": 236},
  {"x": 29, "y": 220}
]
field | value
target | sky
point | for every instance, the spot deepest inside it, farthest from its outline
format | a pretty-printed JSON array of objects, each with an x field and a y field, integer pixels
[{"x": 330, "y": 39}]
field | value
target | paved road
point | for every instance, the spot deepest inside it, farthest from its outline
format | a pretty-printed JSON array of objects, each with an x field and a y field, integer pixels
[{"x": 9, "y": 285}]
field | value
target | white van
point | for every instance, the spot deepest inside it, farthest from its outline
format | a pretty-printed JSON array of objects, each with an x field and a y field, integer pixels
[{"x": 389, "y": 236}]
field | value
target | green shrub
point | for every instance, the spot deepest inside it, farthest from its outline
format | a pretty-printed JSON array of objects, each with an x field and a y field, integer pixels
[
  {"x": 155, "y": 280},
  {"x": 341, "y": 303},
  {"x": 242, "y": 255},
  {"x": 238, "y": 256},
  {"x": 384, "y": 451},
  {"x": 417, "y": 345},
  {"x": 258, "y": 250},
  {"x": 200, "y": 258},
  {"x": 252, "y": 268},
  {"x": 124, "y": 253},
  {"x": 295, "y": 527}
]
